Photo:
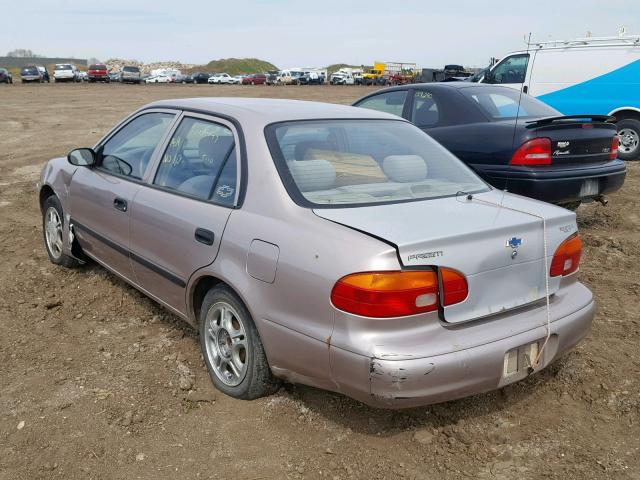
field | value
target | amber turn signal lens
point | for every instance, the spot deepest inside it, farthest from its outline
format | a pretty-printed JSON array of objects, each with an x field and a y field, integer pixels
[
  {"x": 566, "y": 260},
  {"x": 387, "y": 294}
]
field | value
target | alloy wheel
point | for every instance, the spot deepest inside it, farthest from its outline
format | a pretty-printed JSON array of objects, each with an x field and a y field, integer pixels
[
  {"x": 53, "y": 232},
  {"x": 226, "y": 344}
]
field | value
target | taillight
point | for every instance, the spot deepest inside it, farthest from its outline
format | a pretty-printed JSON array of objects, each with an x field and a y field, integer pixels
[
  {"x": 615, "y": 143},
  {"x": 454, "y": 286},
  {"x": 566, "y": 260},
  {"x": 398, "y": 293},
  {"x": 533, "y": 152},
  {"x": 387, "y": 294}
]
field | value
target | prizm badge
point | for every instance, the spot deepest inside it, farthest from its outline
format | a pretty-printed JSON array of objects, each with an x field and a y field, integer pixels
[
  {"x": 513, "y": 242},
  {"x": 423, "y": 255}
]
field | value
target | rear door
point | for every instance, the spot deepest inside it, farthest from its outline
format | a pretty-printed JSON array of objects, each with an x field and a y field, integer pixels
[
  {"x": 179, "y": 216},
  {"x": 101, "y": 197}
]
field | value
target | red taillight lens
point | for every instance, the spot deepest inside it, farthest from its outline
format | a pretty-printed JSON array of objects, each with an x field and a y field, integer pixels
[
  {"x": 387, "y": 294},
  {"x": 615, "y": 143},
  {"x": 533, "y": 152},
  {"x": 566, "y": 260},
  {"x": 454, "y": 287}
]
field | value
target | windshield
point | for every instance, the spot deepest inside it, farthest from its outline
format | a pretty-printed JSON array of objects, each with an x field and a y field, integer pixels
[
  {"x": 30, "y": 71},
  {"x": 63, "y": 67},
  {"x": 359, "y": 162},
  {"x": 501, "y": 103},
  {"x": 131, "y": 69}
]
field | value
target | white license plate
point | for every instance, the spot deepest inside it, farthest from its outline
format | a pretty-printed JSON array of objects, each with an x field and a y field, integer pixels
[
  {"x": 590, "y": 188},
  {"x": 519, "y": 359}
]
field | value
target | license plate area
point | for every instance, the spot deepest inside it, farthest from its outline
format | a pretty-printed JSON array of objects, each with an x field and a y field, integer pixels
[
  {"x": 518, "y": 360},
  {"x": 590, "y": 188}
]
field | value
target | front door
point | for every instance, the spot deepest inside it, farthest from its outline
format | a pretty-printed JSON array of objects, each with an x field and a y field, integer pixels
[
  {"x": 101, "y": 196},
  {"x": 510, "y": 72},
  {"x": 178, "y": 219}
]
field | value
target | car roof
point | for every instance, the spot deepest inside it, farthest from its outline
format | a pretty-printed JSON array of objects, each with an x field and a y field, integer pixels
[{"x": 271, "y": 110}]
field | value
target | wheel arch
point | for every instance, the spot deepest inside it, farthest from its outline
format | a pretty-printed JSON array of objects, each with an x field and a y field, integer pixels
[
  {"x": 199, "y": 288},
  {"x": 626, "y": 112},
  {"x": 45, "y": 192}
]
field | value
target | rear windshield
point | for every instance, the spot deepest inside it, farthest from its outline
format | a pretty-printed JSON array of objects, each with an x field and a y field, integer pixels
[
  {"x": 360, "y": 162},
  {"x": 63, "y": 67},
  {"x": 97, "y": 67},
  {"x": 131, "y": 69},
  {"x": 501, "y": 103},
  {"x": 30, "y": 71}
]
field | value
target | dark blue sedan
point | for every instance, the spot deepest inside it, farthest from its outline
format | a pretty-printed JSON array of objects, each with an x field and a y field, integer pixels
[{"x": 512, "y": 140}]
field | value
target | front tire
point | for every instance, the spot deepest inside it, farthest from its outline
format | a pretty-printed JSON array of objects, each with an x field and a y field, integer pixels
[
  {"x": 232, "y": 348},
  {"x": 53, "y": 233},
  {"x": 629, "y": 135}
]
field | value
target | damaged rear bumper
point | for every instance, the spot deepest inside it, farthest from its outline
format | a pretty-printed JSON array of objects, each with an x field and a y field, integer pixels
[{"x": 410, "y": 382}]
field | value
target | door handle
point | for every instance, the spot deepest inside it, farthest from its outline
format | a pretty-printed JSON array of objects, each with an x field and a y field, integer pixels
[
  {"x": 205, "y": 236},
  {"x": 120, "y": 204}
]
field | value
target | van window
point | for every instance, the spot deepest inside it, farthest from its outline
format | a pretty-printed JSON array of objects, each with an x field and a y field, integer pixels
[{"x": 511, "y": 70}]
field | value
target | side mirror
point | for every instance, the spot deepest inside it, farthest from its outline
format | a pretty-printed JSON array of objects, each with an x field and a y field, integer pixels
[{"x": 82, "y": 157}]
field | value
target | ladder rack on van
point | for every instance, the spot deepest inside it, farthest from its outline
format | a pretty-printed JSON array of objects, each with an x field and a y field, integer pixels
[{"x": 578, "y": 42}]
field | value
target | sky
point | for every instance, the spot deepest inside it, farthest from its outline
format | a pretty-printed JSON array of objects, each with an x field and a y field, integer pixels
[{"x": 292, "y": 33}]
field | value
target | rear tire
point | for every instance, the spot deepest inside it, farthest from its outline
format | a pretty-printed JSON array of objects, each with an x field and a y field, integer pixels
[
  {"x": 629, "y": 134},
  {"x": 53, "y": 233},
  {"x": 232, "y": 348}
]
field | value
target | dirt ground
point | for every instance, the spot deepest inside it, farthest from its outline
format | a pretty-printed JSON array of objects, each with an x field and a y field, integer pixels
[{"x": 98, "y": 382}]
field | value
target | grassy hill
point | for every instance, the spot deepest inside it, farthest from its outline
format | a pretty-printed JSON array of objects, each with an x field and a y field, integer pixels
[{"x": 236, "y": 66}]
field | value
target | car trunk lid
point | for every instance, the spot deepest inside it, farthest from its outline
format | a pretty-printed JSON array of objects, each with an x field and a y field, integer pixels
[
  {"x": 575, "y": 139},
  {"x": 476, "y": 237}
]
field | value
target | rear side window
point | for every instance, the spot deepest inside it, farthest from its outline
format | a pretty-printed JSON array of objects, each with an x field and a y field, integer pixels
[
  {"x": 128, "y": 152},
  {"x": 200, "y": 161},
  {"x": 390, "y": 102},
  {"x": 424, "y": 112}
]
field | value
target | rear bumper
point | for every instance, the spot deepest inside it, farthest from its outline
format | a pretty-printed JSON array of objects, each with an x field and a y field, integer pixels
[
  {"x": 102, "y": 78},
  {"x": 555, "y": 185},
  {"x": 411, "y": 382}
]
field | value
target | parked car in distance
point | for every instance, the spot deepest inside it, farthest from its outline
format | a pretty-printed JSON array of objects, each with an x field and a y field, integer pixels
[
  {"x": 544, "y": 155},
  {"x": 184, "y": 79},
  {"x": 65, "y": 72},
  {"x": 221, "y": 78},
  {"x": 288, "y": 77},
  {"x": 98, "y": 72},
  {"x": 114, "y": 76},
  {"x": 344, "y": 251},
  {"x": 311, "y": 78},
  {"x": 159, "y": 79},
  {"x": 5, "y": 76},
  {"x": 31, "y": 73},
  {"x": 201, "y": 77},
  {"x": 130, "y": 74},
  {"x": 255, "y": 79},
  {"x": 237, "y": 79},
  {"x": 45, "y": 73},
  {"x": 272, "y": 77},
  {"x": 83, "y": 76}
]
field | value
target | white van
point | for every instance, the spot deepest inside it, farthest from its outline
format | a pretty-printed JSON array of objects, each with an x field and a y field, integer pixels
[{"x": 583, "y": 76}]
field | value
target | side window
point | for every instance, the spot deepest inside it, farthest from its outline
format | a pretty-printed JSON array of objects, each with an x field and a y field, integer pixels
[
  {"x": 424, "y": 112},
  {"x": 128, "y": 152},
  {"x": 200, "y": 161},
  {"x": 390, "y": 102},
  {"x": 511, "y": 70}
]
